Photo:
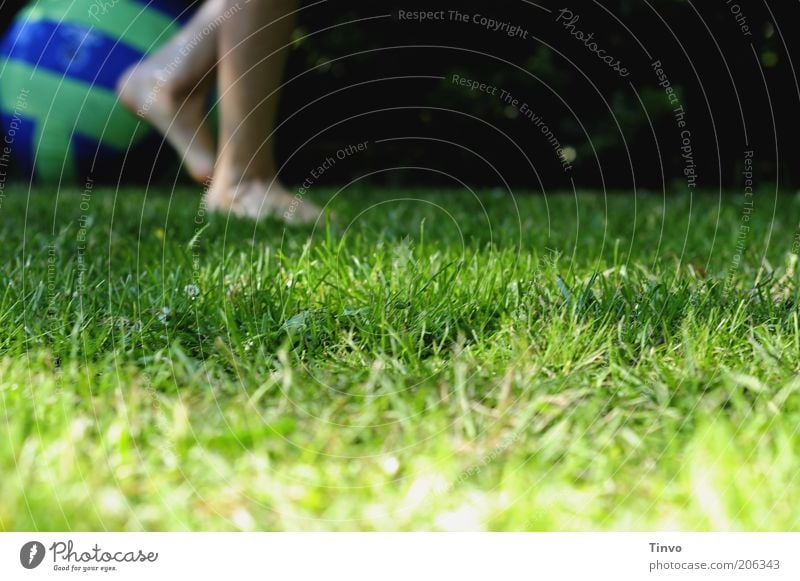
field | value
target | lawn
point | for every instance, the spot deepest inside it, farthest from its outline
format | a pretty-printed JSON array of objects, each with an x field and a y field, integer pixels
[{"x": 424, "y": 360}]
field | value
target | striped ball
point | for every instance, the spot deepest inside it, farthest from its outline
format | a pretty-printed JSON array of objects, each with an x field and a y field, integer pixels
[{"x": 59, "y": 64}]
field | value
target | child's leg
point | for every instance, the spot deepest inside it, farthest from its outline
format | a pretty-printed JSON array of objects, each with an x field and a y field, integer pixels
[
  {"x": 170, "y": 89},
  {"x": 253, "y": 45}
]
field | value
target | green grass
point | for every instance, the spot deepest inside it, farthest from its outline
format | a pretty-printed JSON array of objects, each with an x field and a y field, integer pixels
[{"x": 558, "y": 364}]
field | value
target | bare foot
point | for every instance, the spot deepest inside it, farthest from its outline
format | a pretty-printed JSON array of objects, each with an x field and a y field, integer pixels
[
  {"x": 258, "y": 199},
  {"x": 147, "y": 93}
]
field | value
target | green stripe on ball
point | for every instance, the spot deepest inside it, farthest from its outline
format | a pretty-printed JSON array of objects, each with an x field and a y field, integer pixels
[{"x": 77, "y": 103}]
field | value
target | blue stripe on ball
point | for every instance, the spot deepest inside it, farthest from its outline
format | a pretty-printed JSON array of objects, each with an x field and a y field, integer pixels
[
  {"x": 80, "y": 51},
  {"x": 20, "y": 131}
]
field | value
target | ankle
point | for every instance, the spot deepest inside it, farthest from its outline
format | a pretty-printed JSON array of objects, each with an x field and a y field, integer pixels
[
  {"x": 230, "y": 176},
  {"x": 224, "y": 189}
]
